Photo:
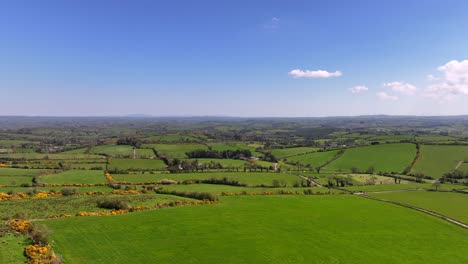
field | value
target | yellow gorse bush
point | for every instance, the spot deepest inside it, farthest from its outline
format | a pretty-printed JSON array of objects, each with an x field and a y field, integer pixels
[
  {"x": 125, "y": 192},
  {"x": 109, "y": 177},
  {"x": 37, "y": 254},
  {"x": 20, "y": 225}
]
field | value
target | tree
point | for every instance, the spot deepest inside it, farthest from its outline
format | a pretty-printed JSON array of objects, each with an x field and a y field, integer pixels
[{"x": 436, "y": 185}]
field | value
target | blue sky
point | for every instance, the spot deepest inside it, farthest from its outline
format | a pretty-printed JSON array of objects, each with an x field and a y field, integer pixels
[{"x": 233, "y": 58}]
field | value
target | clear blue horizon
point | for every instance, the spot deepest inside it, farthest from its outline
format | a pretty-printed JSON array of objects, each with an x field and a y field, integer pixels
[{"x": 236, "y": 58}]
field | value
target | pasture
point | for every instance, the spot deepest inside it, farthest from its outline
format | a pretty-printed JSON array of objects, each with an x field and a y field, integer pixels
[
  {"x": 75, "y": 177},
  {"x": 249, "y": 178},
  {"x": 10, "y": 247},
  {"x": 113, "y": 150},
  {"x": 382, "y": 158},
  {"x": 437, "y": 159},
  {"x": 315, "y": 159},
  {"x": 172, "y": 151},
  {"x": 263, "y": 229},
  {"x": 136, "y": 164},
  {"x": 454, "y": 205},
  {"x": 286, "y": 152}
]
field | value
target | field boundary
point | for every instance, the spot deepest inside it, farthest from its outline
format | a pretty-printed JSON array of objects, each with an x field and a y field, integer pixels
[{"x": 429, "y": 212}]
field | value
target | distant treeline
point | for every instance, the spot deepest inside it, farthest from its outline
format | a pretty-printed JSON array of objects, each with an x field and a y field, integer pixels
[{"x": 214, "y": 154}]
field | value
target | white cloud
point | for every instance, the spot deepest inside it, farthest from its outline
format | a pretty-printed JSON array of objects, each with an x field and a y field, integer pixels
[
  {"x": 452, "y": 82},
  {"x": 401, "y": 87},
  {"x": 297, "y": 73},
  {"x": 359, "y": 89},
  {"x": 386, "y": 97},
  {"x": 273, "y": 23}
]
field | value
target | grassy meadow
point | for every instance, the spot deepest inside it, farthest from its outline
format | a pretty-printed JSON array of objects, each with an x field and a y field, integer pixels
[
  {"x": 436, "y": 159},
  {"x": 454, "y": 205},
  {"x": 263, "y": 229},
  {"x": 383, "y": 158}
]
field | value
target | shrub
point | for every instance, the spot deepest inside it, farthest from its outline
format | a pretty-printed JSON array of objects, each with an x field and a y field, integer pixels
[
  {"x": 69, "y": 191},
  {"x": 40, "y": 235},
  {"x": 112, "y": 204},
  {"x": 194, "y": 195}
]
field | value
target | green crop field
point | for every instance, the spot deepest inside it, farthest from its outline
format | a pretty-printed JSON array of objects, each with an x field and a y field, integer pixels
[
  {"x": 286, "y": 152},
  {"x": 249, "y": 178},
  {"x": 436, "y": 160},
  {"x": 75, "y": 176},
  {"x": 136, "y": 164},
  {"x": 113, "y": 150},
  {"x": 314, "y": 159},
  {"x": 271, "y": 229},
  {"x": 454, "y": 205},
  {"x": 384, "y": 158}
]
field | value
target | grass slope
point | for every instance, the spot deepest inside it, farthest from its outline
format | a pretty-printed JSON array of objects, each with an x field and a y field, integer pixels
[{"x": 264, "y": 229}]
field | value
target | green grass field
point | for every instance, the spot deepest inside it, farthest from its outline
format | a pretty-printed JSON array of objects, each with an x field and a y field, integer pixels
[
  {"x": 384, "y": 158},
  {"x": 172, "y": 151},
  {"x": 54, "y": 188},
  {"x": 249, "y": 178},
  {"x": 286, "y": 152},
  {"x": 42, "y": 156},
  {"x": 113, "y": 150},
  {"x": 222, "y": 146},
  {"x": 463, "y": 167},
  {"x": 219, "y": 189},
  {"x": 408, "y": 186},
  {"x": 436, "y": 160},
  {"x": 263, "y": 229},
  {"x": 137, "y": 164},
  {"x": 15, "y": 180},
  {"x": 144, "y": 154},
  {"x": 173, "y": 138},
  {"x": 314, "y": 159},
  {"x": 12, "y": 247},
  {"x": 21, "y": 172},
  {"x": 224, "y": 162},
  {"x": 454, "y": 205},
  {"x": 75, "y": 176}
]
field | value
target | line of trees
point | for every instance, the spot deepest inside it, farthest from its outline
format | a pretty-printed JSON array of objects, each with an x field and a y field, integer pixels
[{"x": 214, "y": 154}]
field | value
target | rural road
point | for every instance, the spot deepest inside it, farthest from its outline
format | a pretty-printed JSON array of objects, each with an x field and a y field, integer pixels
[{"x": 309, "y": 179}]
